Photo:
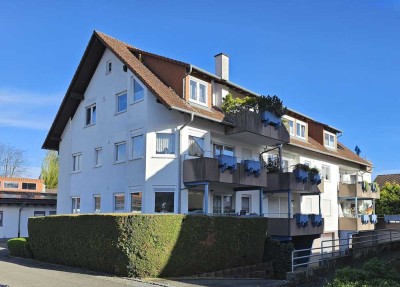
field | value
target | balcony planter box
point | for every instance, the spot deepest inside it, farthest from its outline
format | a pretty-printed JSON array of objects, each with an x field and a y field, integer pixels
[
  {"x": 364, "y": 219},
  {"x": 316, "y": 219},
  {"x": 301, "y": 219},
  {"x": 269, "y": 118},
  {"x": 227, "y": 162},
  {"x": 392, "y": 218},
  {"x": 373, "y": 218},
  {"x": 301, "y": 175},
  {"x": 315, "y": 178},
  {"x": 252, "y": 167}
]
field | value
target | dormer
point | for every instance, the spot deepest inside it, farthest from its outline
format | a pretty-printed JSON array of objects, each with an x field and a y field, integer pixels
[
  {"x": 297, "y": 128},
  {"x": 330, "y": 140}
]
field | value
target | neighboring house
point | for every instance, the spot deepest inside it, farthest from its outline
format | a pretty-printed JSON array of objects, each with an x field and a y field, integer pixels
[
  {"x": 390, "y": 178},
  {"x": 138, "y": 132},
  {"x": 21, "y": 198}
]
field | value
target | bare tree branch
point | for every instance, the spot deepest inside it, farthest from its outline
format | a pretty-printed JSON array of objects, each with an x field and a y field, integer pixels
[{"x": 12, "y": 161}]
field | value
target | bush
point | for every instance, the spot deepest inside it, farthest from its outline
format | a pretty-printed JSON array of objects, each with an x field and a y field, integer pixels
[
  {"x": 280, "y": 254},
  {"x": 19, "y": 247},
  {"x": 148, "y": 245}
]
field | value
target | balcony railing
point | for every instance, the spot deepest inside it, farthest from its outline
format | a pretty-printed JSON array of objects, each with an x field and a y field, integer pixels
[
  {"x": 359, "y": 190},
  {"x": 289, "y": 181},
  {"x": 224, "y": 169},
  {"x": 251, "y": 123}
]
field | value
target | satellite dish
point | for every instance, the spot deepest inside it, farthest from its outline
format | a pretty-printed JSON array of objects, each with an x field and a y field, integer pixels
[{"x": 357, "y": 150}]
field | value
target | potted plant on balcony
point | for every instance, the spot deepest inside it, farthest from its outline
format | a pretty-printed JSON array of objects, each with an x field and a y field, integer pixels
[
  {"x": 314, "y": 175},
  {"x": 271, "y": 110},
  {"x": 301, "y": 172},
  {"x": 273, "y": 165},
  {"x": 231, "y": 105}
]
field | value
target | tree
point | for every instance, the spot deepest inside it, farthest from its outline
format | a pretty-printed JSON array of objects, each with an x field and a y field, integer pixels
[
  {"x": 12, "y": 160},
  {"x": 50, "y": 167},
  {"x": 389, "y": 203}
]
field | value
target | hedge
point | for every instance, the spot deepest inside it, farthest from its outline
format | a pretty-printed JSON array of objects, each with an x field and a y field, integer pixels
[
  {"x": 145, "y": 245},
  {"x": 281, "y": 256},
  {"x": 19, "y": 247}
]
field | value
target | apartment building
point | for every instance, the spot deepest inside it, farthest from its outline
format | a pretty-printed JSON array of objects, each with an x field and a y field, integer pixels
[
  {"x": 21, "y": 198},
  {"x": 139, "y": 132}
]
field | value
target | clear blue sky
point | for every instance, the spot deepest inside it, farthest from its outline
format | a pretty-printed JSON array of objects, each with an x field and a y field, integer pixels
[{"x": 336, "y": 61}]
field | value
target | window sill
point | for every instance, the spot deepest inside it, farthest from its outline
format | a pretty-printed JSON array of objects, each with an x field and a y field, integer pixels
[
  {"x": 198, "y": 103},
  {"x": 119, "y": 162},
  {"x": 121, "y": 112},
  {"x": 90, "y": 125},
  {"x": 135, "y": 102},
  {"x": 75, "y": 172},
  {"x": 96, "y": 166},
  {"x": 170, "y": 156},
  {"x": 136, "y": 158}
]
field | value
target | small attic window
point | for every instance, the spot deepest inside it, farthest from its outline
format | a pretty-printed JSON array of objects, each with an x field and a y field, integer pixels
[{"x": 108, "y": 67}]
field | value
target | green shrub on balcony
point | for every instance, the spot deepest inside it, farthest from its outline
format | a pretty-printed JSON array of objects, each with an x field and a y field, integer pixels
[
  {"x": 144, "y": 245},
  {"x": 19, "y": 247}
]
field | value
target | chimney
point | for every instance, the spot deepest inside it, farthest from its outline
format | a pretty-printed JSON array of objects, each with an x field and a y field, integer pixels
[{"x": 222, "y": 66}]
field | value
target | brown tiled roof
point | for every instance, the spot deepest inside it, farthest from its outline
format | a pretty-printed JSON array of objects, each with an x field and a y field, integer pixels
[
  {"x": 165, "y": 95},
  {"x": 384, "y": 178},
  {"x": 341, "y": 152}
]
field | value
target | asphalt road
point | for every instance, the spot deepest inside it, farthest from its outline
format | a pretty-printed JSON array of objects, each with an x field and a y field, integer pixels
[{"x": 19, "y": 272}]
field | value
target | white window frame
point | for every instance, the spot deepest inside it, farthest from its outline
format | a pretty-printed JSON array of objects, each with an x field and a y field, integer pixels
[
  {"x": 78, "y": 156},
  {"x": 141, "y": 203},
  {"x": 168, "y": 189},
  {"x": 299, "y": 131},
  {"x": 166, "y": 155},
  {"x": 117, "y": 96},
  {"x": 203, "y": 148},
  {"x": 108, "y": 67},
  {"x": 327, "y": 144},
  {"x": 27, "y": 185},
  {"x": 94, "y": 203},
  {"x": 222, "y": 196},
  {"x": 74, "y": 207},
  {"x": 132, "y": 84},
  {"x": 133, "y": 156},
  {"x": 92, "y": 109},
  {"x": 11, "y": 182},
  {"x": 116, "y": 145},
  {"x": 198, "y": 83},
  {"x": 224, "y": 146},
  {"x": 115, "y": 202},
  {"x": 328, "y": 173},
  {"x": 241, "y": 202},
  {"x": 98, "y": 154}
]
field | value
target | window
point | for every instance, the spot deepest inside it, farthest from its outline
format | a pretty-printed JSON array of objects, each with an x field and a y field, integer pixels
[
  {"x": 246, "y": 204},
  {"x": 196, "y": 146},
  {"x": 29, "y": 186},
  {"x": 300, "y": 130},
  {"x": 136, "y": 201},
  {"x": 120, "y": 152},
  {"x": 122, "y": 102},
  {"x": 91, "y": 115},
  {"x": 10, "y": 184},
  {"x": 329, "y": 140},
  {"x": 285, "y": 165},
  {"x": 223, "y": 149},
  {"x": 198, "y": 92},
  {"x": 137, "y": 143},
  {"x": 76, "y": 162},
  {"x": 164, "y": 200},
  {"x": 222, "y": 204},
  {"x": 1, "y": 218},
  {"x": 307, "y": 163},
  {"x": 97, "y": 203},
  {"x": 39, "y": 213},
  {"x": 97, "y": 156},
  {"x": 291, "y": 127},
  {"x": 108, "y": 67},
  {"x": 246, "y": 153},
  {"x": 119, "y": 202},
  {"x": 52, "y": 212},
  {"x": 165, "y": 143},
  {"x": 76, "y": 205},
  {"x": 138, "y": 91},
  {"x": 326, "y": 172}
]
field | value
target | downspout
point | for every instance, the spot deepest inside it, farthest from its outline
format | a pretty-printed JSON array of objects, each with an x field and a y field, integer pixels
[
  {"x": 180, "y": 161},
  {"x": 19, "y": 219}
]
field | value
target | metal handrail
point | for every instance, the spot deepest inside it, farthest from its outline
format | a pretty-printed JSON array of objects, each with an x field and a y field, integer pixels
[{"x": 392, "y": 235}]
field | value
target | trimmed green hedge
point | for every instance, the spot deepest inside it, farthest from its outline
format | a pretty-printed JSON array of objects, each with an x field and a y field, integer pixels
[
  {"x": 280, "y": 254},
  {"x": 148, "y": 245},
  {"x": 19, "y": 247}
]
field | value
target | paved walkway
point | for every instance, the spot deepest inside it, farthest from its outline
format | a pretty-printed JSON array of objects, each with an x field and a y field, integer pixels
[{"x": 19, "y": 272}]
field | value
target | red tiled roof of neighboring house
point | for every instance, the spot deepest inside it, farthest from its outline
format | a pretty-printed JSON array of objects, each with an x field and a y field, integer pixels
[
  {"x": 341, "y": 152},
  {"x": 384, "y": 178}
]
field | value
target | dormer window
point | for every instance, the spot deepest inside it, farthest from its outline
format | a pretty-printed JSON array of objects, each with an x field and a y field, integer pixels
[
  {"x": 198, "y": 91},
  {"x": 329, "y": 140},
  {"x": 300, "y": 130}
]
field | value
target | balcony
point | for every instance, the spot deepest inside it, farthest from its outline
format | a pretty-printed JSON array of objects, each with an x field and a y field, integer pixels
[
  {"x": 288, "y": 181},
  {"x": 356, "y": 190},
  {"x": 224, "y": 170},
  {"x": 301, "y": 224},
  {"x": 251, "y": 129},
  {"x": 355, "y": 224}
]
